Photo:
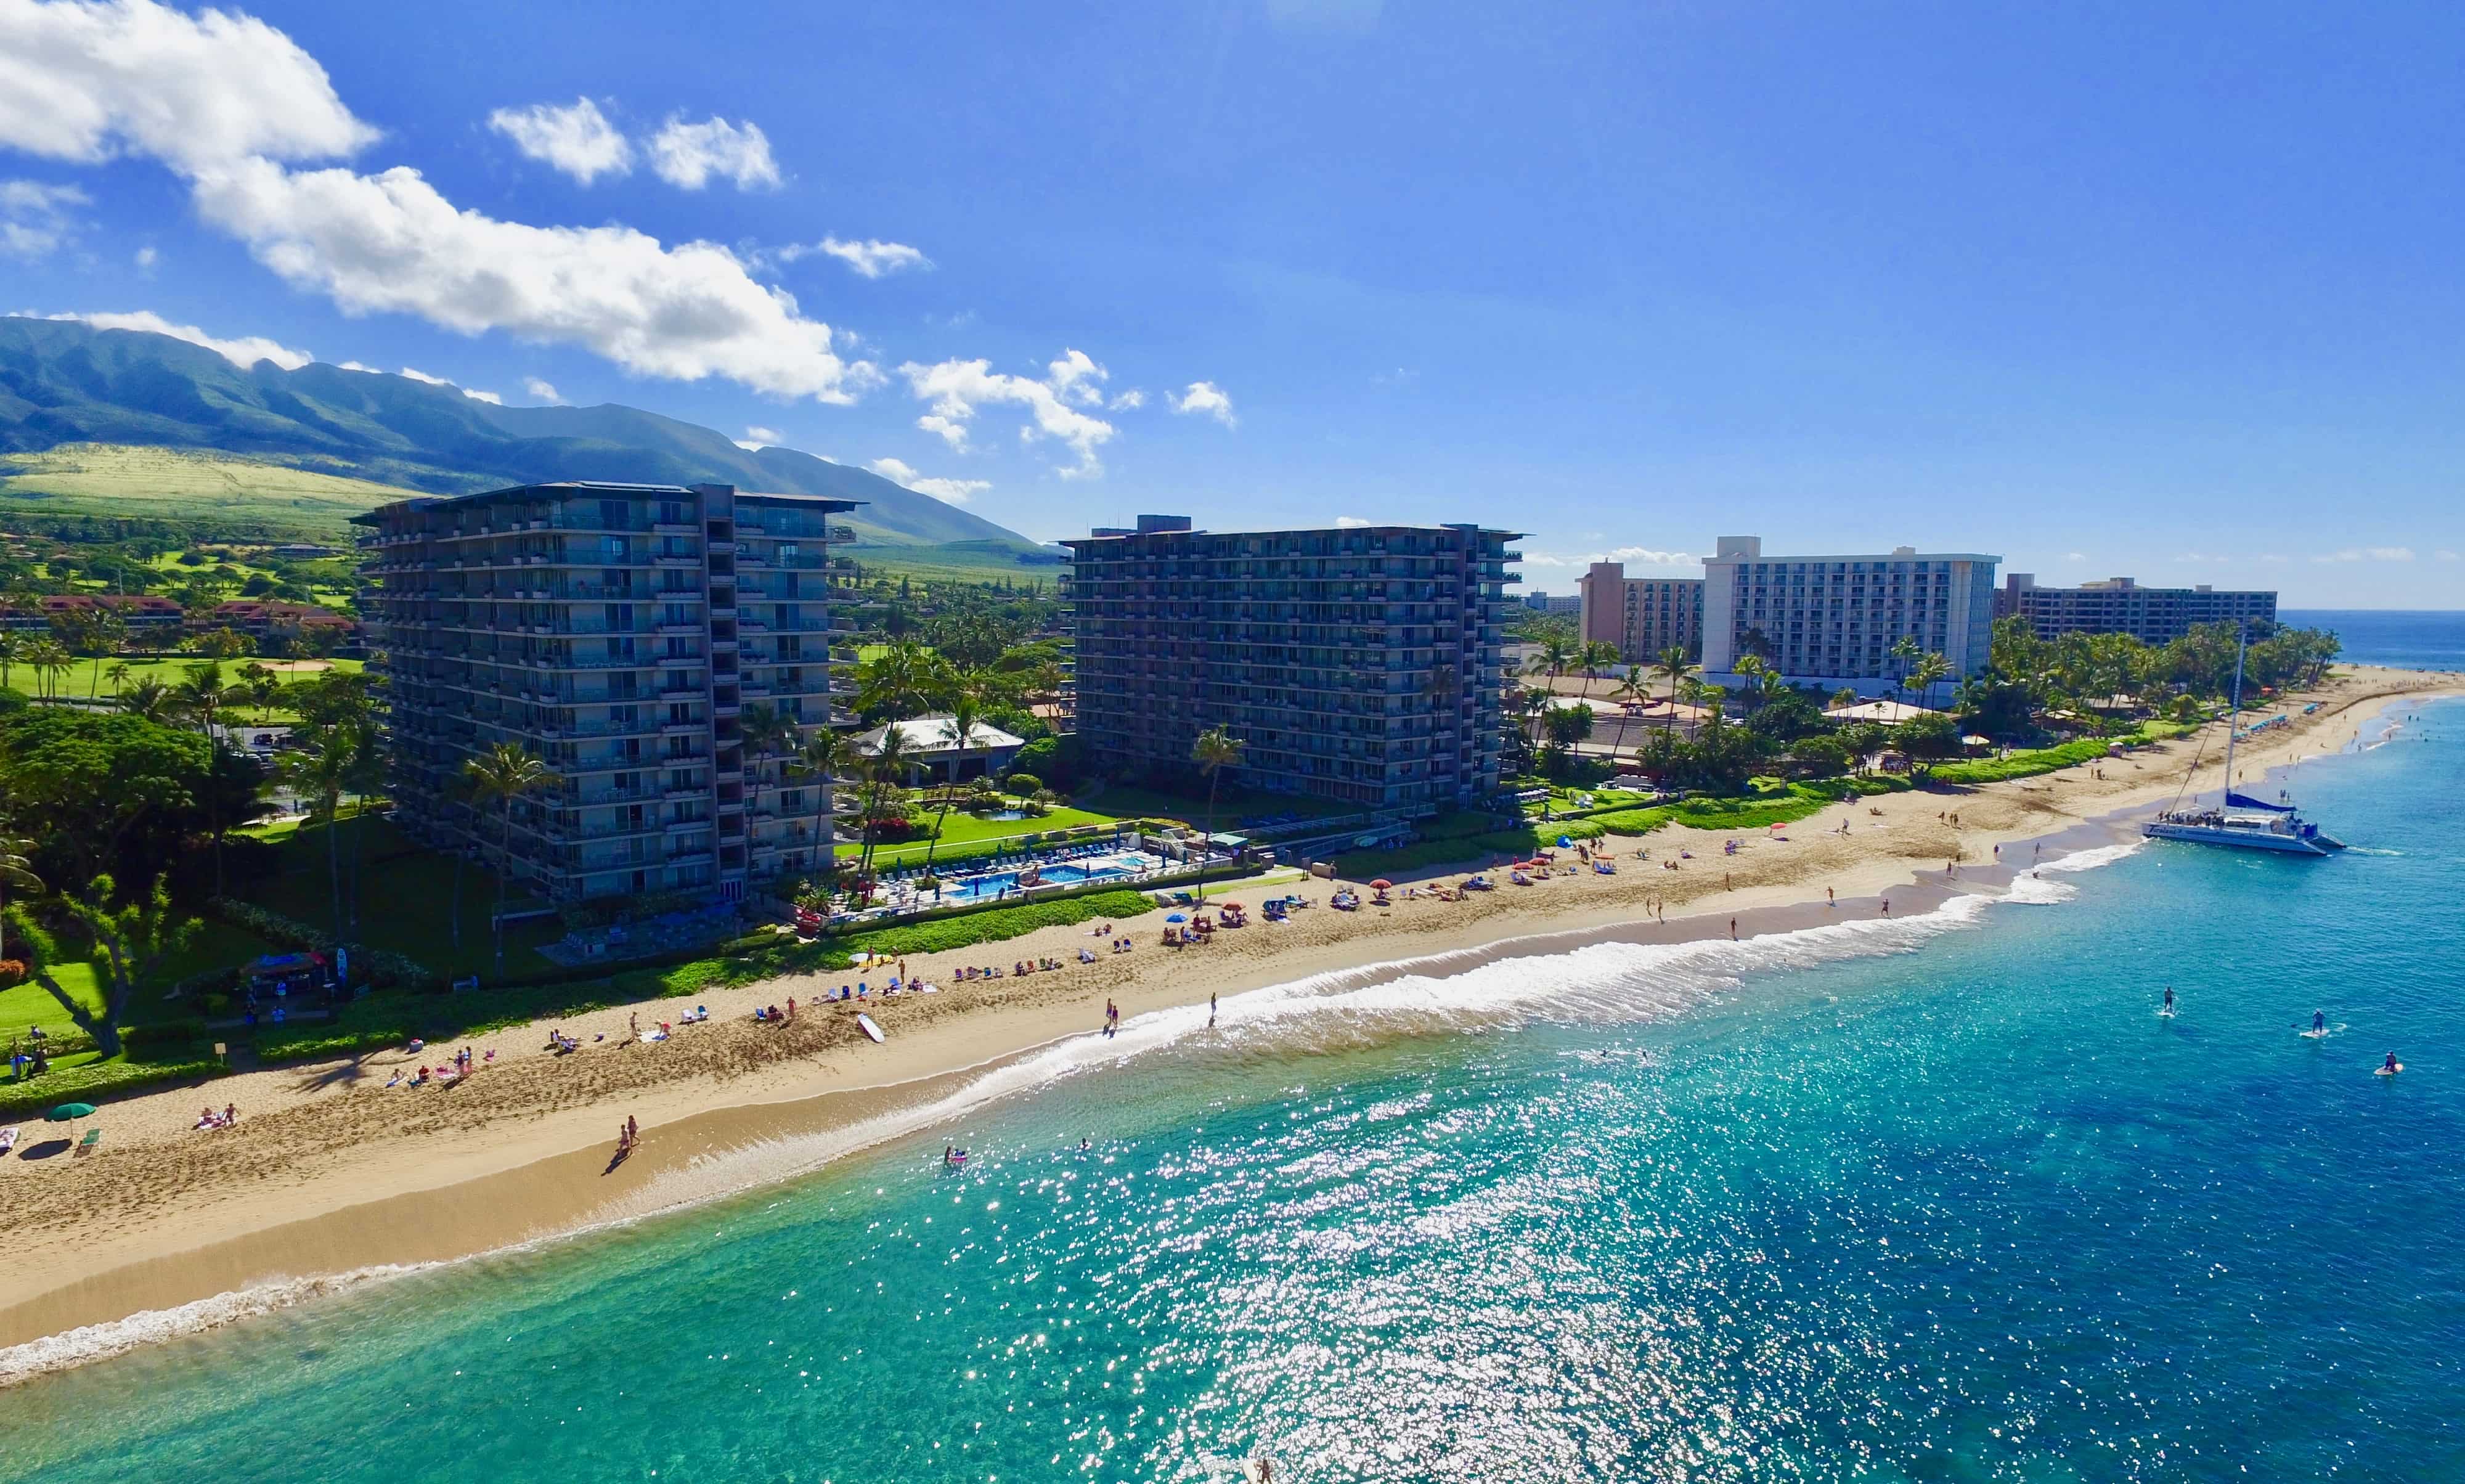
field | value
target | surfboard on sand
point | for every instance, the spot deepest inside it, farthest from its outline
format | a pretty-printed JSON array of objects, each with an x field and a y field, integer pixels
[{"x": 864, "y": 1023}]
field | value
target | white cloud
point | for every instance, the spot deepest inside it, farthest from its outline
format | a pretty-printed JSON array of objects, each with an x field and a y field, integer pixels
[
  {"x": 354, "y": 365},
  {"x": 243, "y": 351},
  {"x": 147, "y": 257},
  {"x": 1350, "y": 523},
  {"x": 872, "y": 258},
  {"x": 1130, "y": 401},
  {"x": 223, "y": 100},
  {"x": 2274, "y": 559},
  {"x": 2074, "y": 556},
  {"x": 689, "y": 154},
  {"x": 2446, "y": 555},
  {"x": 418, "y": 375},
  {"x": 955, "y": 492},
  {"x": 959, "y": 389},
  {"x": 35, "y": 218},
  {"x": 1647, "y": 556},
  {"x": 1204, "y": 397},
  {"x": 489, "y": 397},
  {"x": 575, "y": 138},
  {"x": 86, "y": 79},
  {"x": 542, "y": 391},
  {"x": 2370, "y": 554},
  {"x": 390, "y": 242},
  {"x": 756, "y": 439}
]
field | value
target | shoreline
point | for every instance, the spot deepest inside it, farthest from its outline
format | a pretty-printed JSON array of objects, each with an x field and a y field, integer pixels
[{"x": 414, "y": 1184}]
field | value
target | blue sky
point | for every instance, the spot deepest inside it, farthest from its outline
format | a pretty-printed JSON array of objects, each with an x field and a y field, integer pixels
[{"x": 2107, "y": 289}]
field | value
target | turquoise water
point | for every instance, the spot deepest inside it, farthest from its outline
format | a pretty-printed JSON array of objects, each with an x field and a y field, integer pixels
[
  {"x": 994, "y": 883},
  {"x": 1927, "y": 1202}
]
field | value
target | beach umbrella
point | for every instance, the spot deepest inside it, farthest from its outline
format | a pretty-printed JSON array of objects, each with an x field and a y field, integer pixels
[
  {"x": 1381, "y": 884},
  {"x": 1176, "y": 916},
  {"x": 68, "y": 1111},
  {"x": 1563, "y": 842}
]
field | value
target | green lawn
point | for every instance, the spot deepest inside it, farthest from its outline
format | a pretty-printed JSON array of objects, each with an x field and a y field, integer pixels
[
  {"x": 964, "y": 835},
  {"x": 91, "y": 677},
  {"x": 216, "y": 948},
  {"x": 405, "y": 898}
]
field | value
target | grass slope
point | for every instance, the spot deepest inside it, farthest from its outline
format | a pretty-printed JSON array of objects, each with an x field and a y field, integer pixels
[{"x": 132, "y": 482}]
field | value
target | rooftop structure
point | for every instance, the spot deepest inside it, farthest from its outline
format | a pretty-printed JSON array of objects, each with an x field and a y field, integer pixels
[
  {"x": 2119, "y": 605},
  {"x": 1642, "y": 616},
  {"x": 1833, "y": 620},
  {"x": 931, "y": 745},
  {"x": 623, "y": 633},
  {"x": 1361, "y": 664}
]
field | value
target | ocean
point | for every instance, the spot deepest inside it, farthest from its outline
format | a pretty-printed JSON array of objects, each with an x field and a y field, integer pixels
[
  {"x": 2424, "y": 640},
  {"x": 1942, "y": 1199}
]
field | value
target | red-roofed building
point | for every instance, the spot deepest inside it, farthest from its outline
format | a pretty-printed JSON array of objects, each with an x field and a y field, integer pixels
[
  {"x": 260, "y": 617},
  {"x": 142, "y": 614}
]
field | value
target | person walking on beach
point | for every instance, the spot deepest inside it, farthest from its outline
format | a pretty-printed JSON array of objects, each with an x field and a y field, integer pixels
[
  {"x": 1733, "y": 930},
  {"x": 1211, "y": 1009},
  {"x": 632, "y": 1129},
  {"x": 1112, "y": 1019},
  {"x": 1887, "y": 906},
  {"x": 1829, "y": 899}
]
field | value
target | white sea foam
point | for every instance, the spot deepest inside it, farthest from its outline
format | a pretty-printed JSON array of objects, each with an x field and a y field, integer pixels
[
  {"x": 91, "y": 1342},
  {"x": 1499, "y": 985}
]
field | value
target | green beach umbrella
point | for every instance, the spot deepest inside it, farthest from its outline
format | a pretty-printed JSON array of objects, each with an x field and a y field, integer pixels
[{"x": 70, "y": 1110}]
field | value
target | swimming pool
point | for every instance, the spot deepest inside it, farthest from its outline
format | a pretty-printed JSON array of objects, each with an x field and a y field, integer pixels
[{"x": 1075, "y": 872}]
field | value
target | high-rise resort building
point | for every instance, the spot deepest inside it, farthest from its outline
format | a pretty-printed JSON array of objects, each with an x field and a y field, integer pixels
[
  {"x": 1643, "y": 616},
  {"x": 1362, "y": 664},
  {"x": 2119, "y": 605},
  {"x": 1831, "y": 620},
  {"x": 619, "y": 633}
]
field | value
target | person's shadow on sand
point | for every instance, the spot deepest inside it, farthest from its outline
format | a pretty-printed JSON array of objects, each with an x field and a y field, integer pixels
[{"x": 620, "y": 1158}]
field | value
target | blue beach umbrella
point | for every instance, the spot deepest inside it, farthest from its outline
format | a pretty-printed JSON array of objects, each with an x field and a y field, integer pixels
[{"x": 1176, "y": 916}]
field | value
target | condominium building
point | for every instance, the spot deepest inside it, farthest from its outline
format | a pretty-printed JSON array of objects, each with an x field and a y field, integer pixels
[
  {"x": 1360, "y": 664},
  {"x": 1554, "y": 605},
  {"x": 2119, "y": 605},
  {"x": 619, "y": 633},
  {"x": 1832, "y": 620},
  {"x": 1643, "y": 616}
]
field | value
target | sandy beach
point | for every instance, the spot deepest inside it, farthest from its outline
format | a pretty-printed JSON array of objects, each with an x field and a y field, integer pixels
[{"x": 331, "y": 1172}]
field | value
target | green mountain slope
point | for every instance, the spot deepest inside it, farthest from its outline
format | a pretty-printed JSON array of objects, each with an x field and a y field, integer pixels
[{"x": 64, "y": 382}]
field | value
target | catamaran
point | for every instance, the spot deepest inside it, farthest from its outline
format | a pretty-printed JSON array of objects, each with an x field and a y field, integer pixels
[{"x": 2244, "y": 822}]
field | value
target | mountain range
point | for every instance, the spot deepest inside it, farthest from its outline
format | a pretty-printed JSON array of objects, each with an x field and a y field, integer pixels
[{"x": 64, "y": 382}]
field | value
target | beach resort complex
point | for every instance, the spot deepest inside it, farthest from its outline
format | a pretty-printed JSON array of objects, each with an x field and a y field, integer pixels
[
  {"x": 2121, "y": 604},
  {"x": 1833, "y": 621},
  {"x": 618, "y": 633},
  {"x": 1359, "y": 664},
  {"x": 1640, "y": 617}
]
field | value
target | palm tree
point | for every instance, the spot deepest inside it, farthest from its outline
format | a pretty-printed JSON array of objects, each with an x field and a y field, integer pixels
[
  {"x": 965, "y": 714},
  {"x": 1592, "y": 659},
  {"x": 767, "y": 731},
  {"x": 321, "y": 771},
  {"x": 498, "y": 776},
  {"x": 1932, "y": 670},
  {"x": 1752, "y": 668},
  {"x": 1629, "y": 692},
  {"x": 1674, "y": 667},
  {"x": 200, "y": 694},
  {"x": 150, "y": 699},
  {"x": 118, "y": 676},
  {"x": 1905, "y": 651},
  {"x": 13, "y": 650},
  {"x": 1215, "y": 750},
  {"x": 15, "y": 870},
  {"x": 885, "y": 768},
  {"x": 824, "y": 756}
]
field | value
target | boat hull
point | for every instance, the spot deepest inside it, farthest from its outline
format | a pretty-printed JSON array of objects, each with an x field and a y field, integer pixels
[{"x": 2238, "y": 840}]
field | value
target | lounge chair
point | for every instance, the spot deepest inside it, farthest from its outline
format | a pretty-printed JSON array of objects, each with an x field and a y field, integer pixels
[
  {"x": 8, "y": 1138},
  {"x": 86, "y": 1145}
]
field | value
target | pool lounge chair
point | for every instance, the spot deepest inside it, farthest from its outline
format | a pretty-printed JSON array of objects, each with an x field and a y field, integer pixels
[{"x": 87, "y": 1144}]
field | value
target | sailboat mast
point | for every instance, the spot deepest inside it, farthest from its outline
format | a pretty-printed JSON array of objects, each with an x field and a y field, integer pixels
[{"x": 2234, "y": 717}]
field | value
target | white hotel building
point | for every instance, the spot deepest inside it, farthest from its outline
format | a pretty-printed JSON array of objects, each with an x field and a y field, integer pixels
[{"x": 1831, "y": 620}]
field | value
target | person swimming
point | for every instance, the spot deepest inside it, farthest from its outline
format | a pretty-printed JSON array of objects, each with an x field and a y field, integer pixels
[{"x": 953, "y": 1156}]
